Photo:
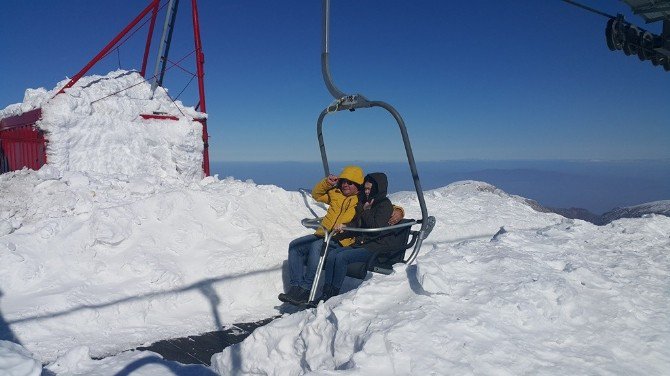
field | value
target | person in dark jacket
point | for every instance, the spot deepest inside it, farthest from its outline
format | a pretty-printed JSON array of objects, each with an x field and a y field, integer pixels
[{"x": 372, "y": 211}]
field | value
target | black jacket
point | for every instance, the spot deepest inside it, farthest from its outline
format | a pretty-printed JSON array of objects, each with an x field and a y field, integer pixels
[{"x": 377, "y": 215}]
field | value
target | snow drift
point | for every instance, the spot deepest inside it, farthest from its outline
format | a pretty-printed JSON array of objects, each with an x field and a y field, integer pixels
[
  {"x": 543, "y": 297},
  {"x": 95, "y": 127}
]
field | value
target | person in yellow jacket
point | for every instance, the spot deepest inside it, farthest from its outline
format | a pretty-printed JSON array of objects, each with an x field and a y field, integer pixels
[
  {"x": 340, "y": 193},
  {"x": 341, "y": 196}
]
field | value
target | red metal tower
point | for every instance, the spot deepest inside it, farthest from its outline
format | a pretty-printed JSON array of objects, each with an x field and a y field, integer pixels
[{"x": 22, "y": 144}]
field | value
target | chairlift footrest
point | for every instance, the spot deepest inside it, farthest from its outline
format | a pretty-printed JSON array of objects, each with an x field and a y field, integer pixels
[{"x": 382, "y": 270}]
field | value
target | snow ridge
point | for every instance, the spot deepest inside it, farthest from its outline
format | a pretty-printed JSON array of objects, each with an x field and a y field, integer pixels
[{"x": 656, "y": 207}]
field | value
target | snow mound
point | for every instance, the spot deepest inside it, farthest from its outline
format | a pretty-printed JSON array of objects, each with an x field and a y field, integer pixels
[
  {"x": 568, "y": 298},
  {"x": 15, "y": 360},
  {"x": 116, "y": 255},
  {"x": 95, "y": 127},
  {"x": 468, "y": 209}
]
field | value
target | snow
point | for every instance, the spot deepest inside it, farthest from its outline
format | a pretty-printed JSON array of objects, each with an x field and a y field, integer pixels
[
  {"x": 96, "y": 127},
  {"x": 565, "y": 298},
  {"x": 100, "y": 255},
  {"x": 661, "y": 207},
  {"x": 654, "y": 207},
  {"x": 77, "y": 361},
  {"x": 17, "y": 361}
]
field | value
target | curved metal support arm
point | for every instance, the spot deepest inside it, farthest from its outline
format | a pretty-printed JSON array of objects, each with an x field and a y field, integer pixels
[
  {"x": 427, "y": 222},
  {"x": 406, "y": 142},
  {"x": 322, "y": 145},
  {"x": 305, "y": 197},
  {"x": 313, "y": 223},
  {"x": 325, "y": 72},
  {"x": 410, "y": 155},
  {"x": 352, "y": 102}
]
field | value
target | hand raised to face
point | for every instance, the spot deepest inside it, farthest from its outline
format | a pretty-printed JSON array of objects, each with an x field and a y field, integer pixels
[
  {"x": 368, "y": 204},
  {"x": 332, "y": 180}
]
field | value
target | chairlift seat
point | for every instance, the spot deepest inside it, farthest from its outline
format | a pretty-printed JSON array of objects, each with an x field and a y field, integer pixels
[{"x": 382, "y": 262}]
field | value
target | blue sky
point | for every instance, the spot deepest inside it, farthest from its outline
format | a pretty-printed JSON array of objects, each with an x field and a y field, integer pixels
[{"x": 473, "y": 80}]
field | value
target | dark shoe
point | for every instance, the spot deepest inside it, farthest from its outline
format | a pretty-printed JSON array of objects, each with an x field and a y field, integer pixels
[
  {"x": 290, "y": 295},
  {"x": 296, "y": 296},
  {"x": 328, "y": 292},
  {"x": 302, "y": 296}
]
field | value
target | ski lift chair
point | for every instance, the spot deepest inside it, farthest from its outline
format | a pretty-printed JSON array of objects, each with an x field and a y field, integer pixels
[{"x": 379, "y": 262}]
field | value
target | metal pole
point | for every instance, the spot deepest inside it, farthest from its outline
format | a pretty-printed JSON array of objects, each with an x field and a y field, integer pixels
[
  {"x": 317, "y": 277},
  {"x": 325, "y": 70},
  {"x": 150, "y": 34},
  {"x": 199, "y": 56},
  {"x": 200, "y": 66},
  {"x": 163, "y": 50}
]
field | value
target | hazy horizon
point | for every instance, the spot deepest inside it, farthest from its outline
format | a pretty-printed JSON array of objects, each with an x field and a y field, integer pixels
[{"x": 598, "y": 186}]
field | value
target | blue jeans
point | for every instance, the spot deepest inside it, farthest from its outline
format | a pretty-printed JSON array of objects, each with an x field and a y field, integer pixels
[
  {"x": 337, "y": 261},
  {"x": 303, "y": 259}
]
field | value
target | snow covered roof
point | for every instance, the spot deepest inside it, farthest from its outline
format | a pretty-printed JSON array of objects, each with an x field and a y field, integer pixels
[{"x": 95, "y": 127}]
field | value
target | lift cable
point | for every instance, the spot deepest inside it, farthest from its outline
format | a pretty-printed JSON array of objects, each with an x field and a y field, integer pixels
[
  {"x": 593, "y": 10},
  {"x": 144, "y": 80},
  {"x": 132, "y": 33},
  {"x": 180, "y": 67},
  {"x": 119, "y": 91},
  {"x": 173, "y": 101},
  {"x": 182, "y": 90},
  {"x": 138, "y": 83},
  {"x": 633, "y": 40}
]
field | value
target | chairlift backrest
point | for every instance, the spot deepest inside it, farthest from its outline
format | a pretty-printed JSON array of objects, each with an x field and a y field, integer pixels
[{"x": 382, "y": 262}]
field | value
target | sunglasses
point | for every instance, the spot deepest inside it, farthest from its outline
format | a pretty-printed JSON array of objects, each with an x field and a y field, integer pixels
[{"x": 346, "y": 181}]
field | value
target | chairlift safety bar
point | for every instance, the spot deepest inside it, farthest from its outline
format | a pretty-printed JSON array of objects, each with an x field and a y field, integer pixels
[{"x": 314, "y": 223}]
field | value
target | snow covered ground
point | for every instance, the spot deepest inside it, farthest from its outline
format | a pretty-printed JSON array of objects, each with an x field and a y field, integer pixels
[
  {"x": 96, "y": 260},
  {"x": 549, "y": 296}
]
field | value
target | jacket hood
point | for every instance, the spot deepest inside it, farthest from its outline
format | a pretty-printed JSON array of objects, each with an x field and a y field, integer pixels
[
  {"x": 352, "y": 173},
  {"x": 379, "y": 185}
]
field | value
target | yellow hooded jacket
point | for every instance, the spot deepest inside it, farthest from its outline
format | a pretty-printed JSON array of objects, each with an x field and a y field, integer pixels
[{"x": 341, "y": 209}]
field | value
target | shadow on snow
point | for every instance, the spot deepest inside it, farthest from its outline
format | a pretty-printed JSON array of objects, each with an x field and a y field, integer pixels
[{"x": 190, "y": 350}]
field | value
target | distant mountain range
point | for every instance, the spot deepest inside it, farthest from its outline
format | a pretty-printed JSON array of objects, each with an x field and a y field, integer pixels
[{"x": 637, "y": 211}]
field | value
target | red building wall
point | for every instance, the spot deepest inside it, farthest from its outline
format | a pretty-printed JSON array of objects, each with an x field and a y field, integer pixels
[{"x": 22, "y": 144}]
